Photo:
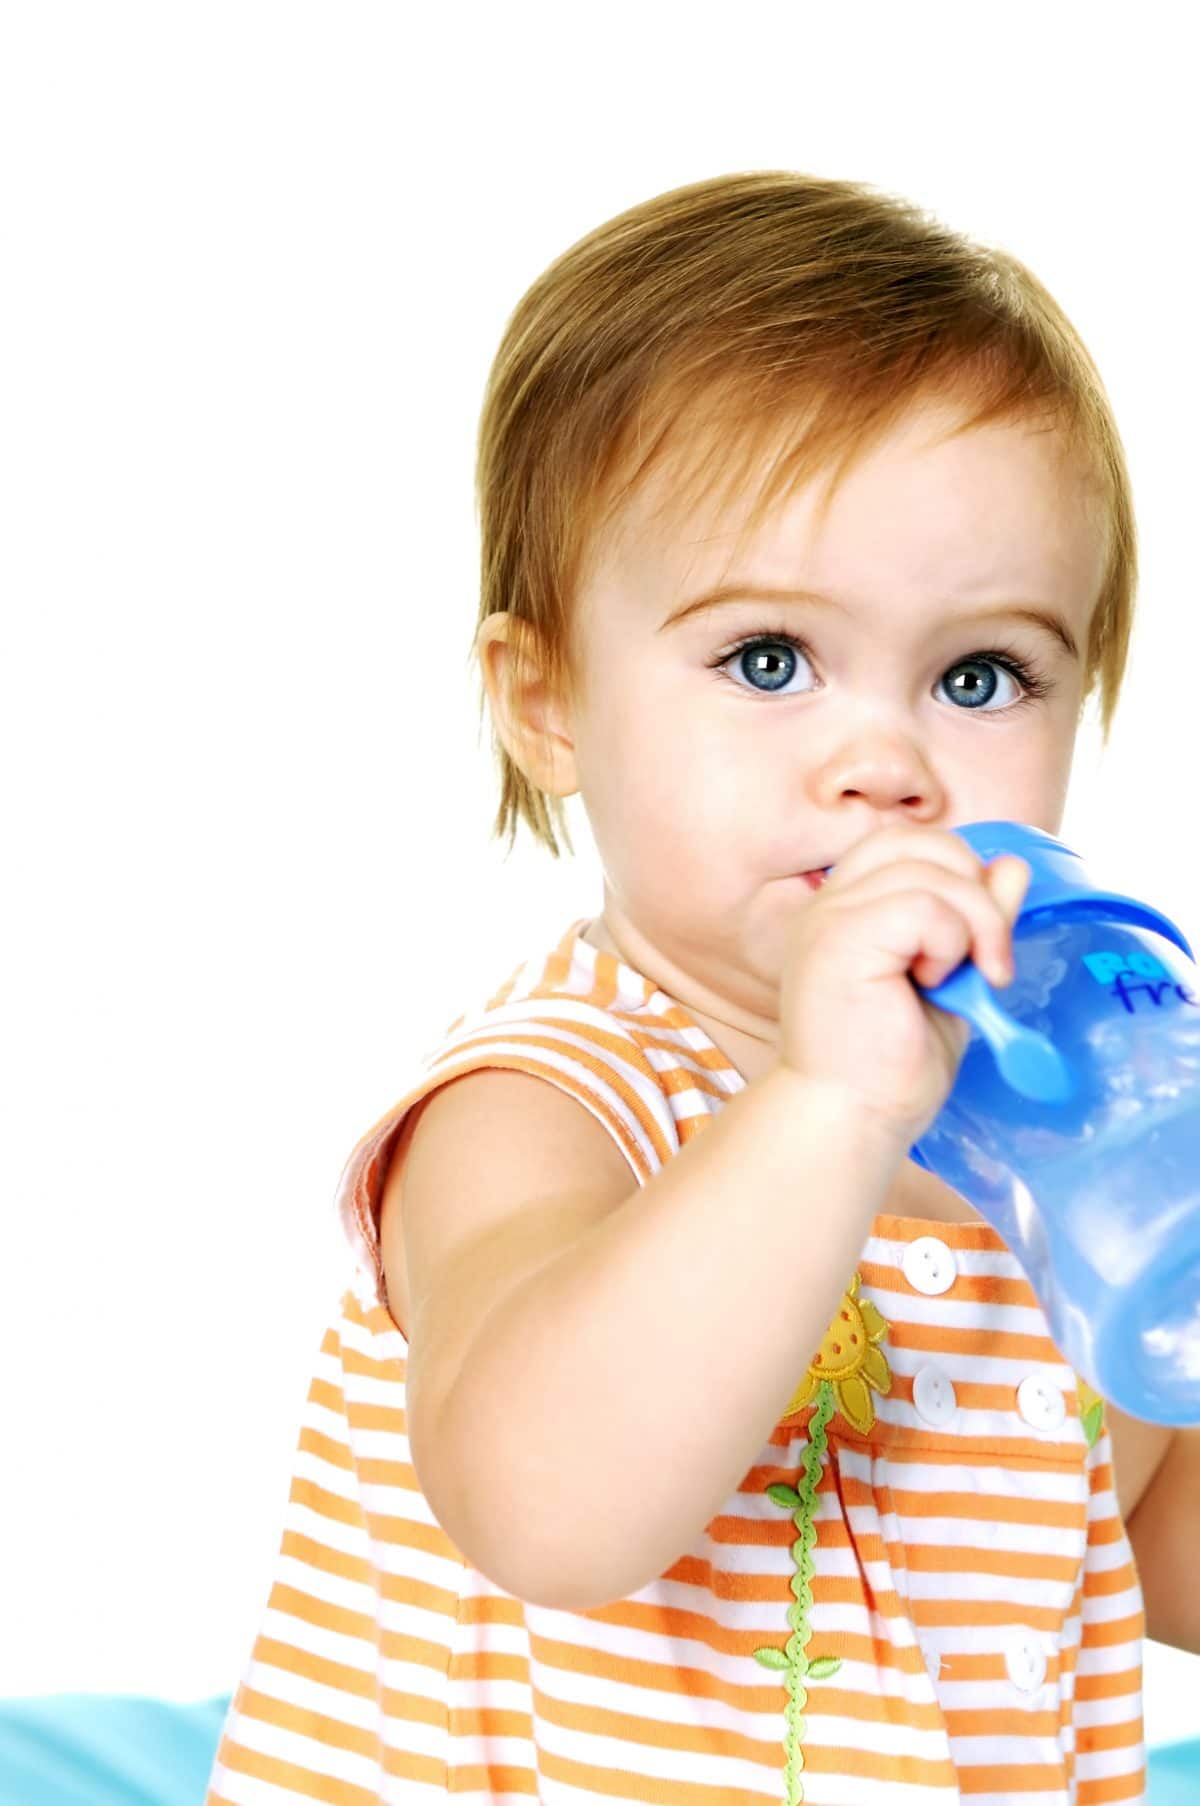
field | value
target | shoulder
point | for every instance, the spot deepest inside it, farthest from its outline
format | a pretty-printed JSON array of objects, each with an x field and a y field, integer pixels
[
  {"x": 492, "y": 1158},
  {"x": 597, "y": 1098}
]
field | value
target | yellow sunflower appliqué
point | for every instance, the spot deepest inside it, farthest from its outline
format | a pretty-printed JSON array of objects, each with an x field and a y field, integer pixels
[
  {"x": 850, "y": 1361},
  {"x": 1091, "y": 1411}
]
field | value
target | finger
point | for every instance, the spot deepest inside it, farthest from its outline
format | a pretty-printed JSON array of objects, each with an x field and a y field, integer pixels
[
  {"x": 1008, "y": 879},
  {"x": 963, "y": 913},
  {"x": 906, "y": 841}
]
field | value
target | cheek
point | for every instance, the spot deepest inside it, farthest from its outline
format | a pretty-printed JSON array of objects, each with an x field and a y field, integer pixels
[{"x": 1031, "y": 783}]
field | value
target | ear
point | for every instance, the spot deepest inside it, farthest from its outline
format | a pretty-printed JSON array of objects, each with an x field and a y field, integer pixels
[{"x": 533, "y": 722}]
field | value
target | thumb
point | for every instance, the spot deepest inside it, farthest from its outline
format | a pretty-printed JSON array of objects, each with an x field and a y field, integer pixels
[{"x": 1008, "y": 879}]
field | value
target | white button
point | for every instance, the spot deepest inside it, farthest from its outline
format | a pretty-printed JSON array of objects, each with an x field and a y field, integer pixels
[
  {"x": 933, "y": 1663},
  {"x": 1026, "y": 1662},
  {"x": 1041, "y": 1403},
  {"x": 929, "y": 1266},
  {"x": 933, "y": 1395}
]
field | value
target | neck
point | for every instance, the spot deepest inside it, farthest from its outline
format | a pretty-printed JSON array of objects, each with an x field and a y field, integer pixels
[{"x": 750, "y": 1042}]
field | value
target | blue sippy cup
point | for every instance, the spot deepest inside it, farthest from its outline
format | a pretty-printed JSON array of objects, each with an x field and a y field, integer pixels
[{"x": 1073, "y": 1125}]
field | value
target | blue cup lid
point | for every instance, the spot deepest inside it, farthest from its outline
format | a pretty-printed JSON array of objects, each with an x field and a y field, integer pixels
[{"x": 1059, "y": 882}]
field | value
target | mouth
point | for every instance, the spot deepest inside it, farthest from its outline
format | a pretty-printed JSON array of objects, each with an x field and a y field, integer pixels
[{"x": 816, "y": 878}]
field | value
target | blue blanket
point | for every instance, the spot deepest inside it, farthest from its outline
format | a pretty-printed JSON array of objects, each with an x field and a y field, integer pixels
[{"x": 98, "y": 1749}]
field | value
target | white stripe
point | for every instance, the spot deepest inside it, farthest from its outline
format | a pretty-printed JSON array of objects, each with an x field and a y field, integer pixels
[
  {"x": 678, "y": 1767},
  {"x": 309, "y": 1466},
  {"x": 847, "y": 1790},
  {"x": 397, "y": 1505},
  {"x": 364, "y": 1389},
  {"x": 971, "y": 1263},
  {"x": 983, "y": 1370},
  {"x": 1056, "y": 1798},
  {"x": 964, "y": 1584},
  {"x": 1104, "y": 1765},
  {"x": 1103, "y": 1609},
  {"x": 331, "y": 1422},
  {"x": 248, "y": 1790},
  {"x": 313, "y": 1696},
  {"x": 326, "y": 1366},
  {"x": 903, "y": 1306},
  {"x": 902, "y": 1475},
  {"x": 371, "y": 1343},
  {"x": 550, "y": 1021},
  {"x": 1003, "y": 1749},
  {"x": 321, "y": 1758},
  {"x": 345, "y": 1539},
  {"x": 329, "y": 1589},
  {"x": 1102, "y": 1558},
  {"x": 965, "y": 1533},
  {"x": 380, "y": 1445},
  {"x": 313, "y": 1639},
  {"x": 1107, "y": 1658}
]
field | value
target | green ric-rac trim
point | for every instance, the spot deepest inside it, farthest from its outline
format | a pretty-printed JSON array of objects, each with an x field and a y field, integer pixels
[
  {"x": 1092, "y": 1424},
  {"x": 791, "y": 1660}
]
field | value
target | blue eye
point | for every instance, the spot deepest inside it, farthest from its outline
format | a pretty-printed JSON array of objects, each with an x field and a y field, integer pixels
[
  {"x": 769, "y": 661},
  {"x": 981, "y": 682}
]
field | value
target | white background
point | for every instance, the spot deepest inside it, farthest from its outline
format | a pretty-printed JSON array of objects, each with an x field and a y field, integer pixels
[{"x": 256, "y": 262}]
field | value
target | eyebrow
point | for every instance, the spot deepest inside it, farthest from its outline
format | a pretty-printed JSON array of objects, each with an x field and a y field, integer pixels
[{"x": 1045, "y": 618}]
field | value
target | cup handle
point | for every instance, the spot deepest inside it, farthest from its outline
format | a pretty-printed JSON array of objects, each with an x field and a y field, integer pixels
[{"x": 1027, "y": 1061}]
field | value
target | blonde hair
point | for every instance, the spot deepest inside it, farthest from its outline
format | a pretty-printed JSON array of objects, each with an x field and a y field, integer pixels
[{"x": 749, "y": 312}]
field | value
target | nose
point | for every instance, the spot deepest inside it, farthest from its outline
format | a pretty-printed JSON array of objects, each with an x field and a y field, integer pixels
[{"x": 885, "y": 774}]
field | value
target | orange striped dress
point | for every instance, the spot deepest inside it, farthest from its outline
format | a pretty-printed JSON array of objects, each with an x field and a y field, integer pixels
[{"x": 921, "y": 1592}]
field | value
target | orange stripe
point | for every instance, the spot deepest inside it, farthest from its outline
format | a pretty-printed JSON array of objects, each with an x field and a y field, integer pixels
[
  {"x": 1122, "y": 1681},
  {"x": 647, "y": 1732},
  {"x": 982, "y": 1288},
  {"x": 988, "y": 1508},
  {"x": 1012, "y": 1778},
  {"x": 326, "y": 1504},
  {"x": 606, "y": 1783},
  {"x": 485, "y": 1781},
  {"x": 368, "y": 1367},
  {"x": 1107, "y": 1634},
  {"x": 325, "y": 1448},
  {"x": 674, "y": 1043},
  {"x": 837, "y": 1760},
  {"x": 302, "y": 1721},
  {"x": 925, "y": 1447},
  {"x": 916, "y": 1558},
  {"x": 1092, "y": 1737},
  {"x": 294, "y": 1779},
  {"x": 1104, "y": 1792},
  {"x": 340, "y": 1677},
  {"x": 951, "y": 1339},
  {"x": 480, "y": 1055},
  {"x": 1101, "y": 1583},
  {"x": 606, "y": 1077},
  {"x": 324, "y": 1392},
  {"x": 396, "y": 1645},
  {"x": 290, "y": 1602},
  {"x": 325, "y": 1559}
]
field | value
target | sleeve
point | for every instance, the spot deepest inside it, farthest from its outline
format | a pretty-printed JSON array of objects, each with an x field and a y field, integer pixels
[
  {"x": 1110, "y": 1753},
  {"x": 574, "y": 1044}
]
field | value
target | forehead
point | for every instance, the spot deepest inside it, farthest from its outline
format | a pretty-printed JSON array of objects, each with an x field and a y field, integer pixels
[{"x": 926, "y": 503}]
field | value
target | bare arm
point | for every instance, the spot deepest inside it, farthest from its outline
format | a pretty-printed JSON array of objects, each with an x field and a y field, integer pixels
[{"x": 577, "y": 1426}]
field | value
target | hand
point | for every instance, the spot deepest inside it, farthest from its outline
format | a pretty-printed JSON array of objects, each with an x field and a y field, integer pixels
[{"x": 906, "y": 900}]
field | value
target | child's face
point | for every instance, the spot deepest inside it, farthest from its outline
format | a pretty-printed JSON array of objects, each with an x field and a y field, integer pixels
[{"x": 708, "y": 790}]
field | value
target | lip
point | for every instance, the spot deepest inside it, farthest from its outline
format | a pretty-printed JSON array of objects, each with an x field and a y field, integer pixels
[{"x": 816, "y": 878}]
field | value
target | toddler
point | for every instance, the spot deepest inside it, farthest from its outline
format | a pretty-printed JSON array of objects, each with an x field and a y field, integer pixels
[{"x": 680, "y": 1440}]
